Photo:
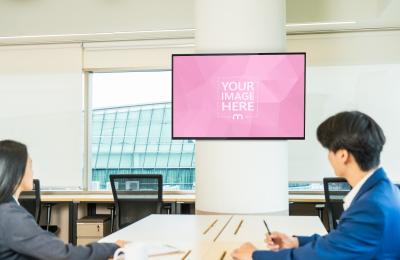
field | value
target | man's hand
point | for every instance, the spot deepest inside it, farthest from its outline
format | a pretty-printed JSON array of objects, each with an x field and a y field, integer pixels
[
  {"x": 120, "y": 243},
  {"x": 277, "y": 241},
  {"x": 245, "y": 252}
]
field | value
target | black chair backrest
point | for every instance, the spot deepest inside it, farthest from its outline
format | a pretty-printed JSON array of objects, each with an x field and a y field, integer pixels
[
  {"x": 31, "y": 200},
  {"x": 136, "y": 196},
  {"x": 335, "y": 190}
]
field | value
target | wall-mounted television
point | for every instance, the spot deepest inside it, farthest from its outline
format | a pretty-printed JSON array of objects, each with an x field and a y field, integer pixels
[{"x": 238, "y": 96}]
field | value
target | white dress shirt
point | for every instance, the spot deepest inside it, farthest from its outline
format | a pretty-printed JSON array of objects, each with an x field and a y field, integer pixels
[
  {"x": 16, "y": 200},
  {"x": 353, "y": 192}
]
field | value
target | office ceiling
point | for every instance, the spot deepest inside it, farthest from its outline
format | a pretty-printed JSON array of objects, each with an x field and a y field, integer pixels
[
  {"x": 312, "y": 15},
  {"x": 23, "y": 22}
]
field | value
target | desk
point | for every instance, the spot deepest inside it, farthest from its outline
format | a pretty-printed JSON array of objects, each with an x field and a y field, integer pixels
[
  {"x": 186, "y": 232},
  {"x": 318, "y": 198},
  {"x": 73, "y": 198},
  {"x": 207, "y": 241},
  {"x": 107, "y": 197}
]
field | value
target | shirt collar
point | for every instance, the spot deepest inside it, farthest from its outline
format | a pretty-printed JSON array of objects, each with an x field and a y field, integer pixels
[
  {"x": 348, "y": 199},
  {"x": 16, "y": 200}
]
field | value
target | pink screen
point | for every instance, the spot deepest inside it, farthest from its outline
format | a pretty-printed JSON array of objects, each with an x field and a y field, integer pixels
[{"x": 238, "y": 96}]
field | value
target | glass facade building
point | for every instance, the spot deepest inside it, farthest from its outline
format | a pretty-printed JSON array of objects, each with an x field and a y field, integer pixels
[{"x": 137, "y": 139}]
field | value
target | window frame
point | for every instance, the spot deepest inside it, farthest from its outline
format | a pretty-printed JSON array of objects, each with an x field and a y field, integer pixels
[{"x": 88, "y": 91}]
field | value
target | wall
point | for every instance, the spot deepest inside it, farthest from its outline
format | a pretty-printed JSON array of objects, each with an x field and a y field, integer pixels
[
  {"x": 48, "y": 17},
  {"x": 348, "y": 71}
]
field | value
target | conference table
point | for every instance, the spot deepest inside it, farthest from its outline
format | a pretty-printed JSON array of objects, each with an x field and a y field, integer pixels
[
  {"x": 211, "y": 236},
  {"x": 74, "y": 198},
  {"x": 176, "y": 199}
]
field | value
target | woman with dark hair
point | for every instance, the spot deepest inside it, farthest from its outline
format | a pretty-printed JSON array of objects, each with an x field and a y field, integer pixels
[{"x": 20, "y": 236}]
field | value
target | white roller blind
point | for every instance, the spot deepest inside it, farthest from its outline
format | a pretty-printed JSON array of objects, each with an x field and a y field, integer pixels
[
  {"x": 41, "y": 106},
  {"x": 134, "y": 55},
  {"x": 372, "y": 89},
  {"x": 348, "y": 71}
]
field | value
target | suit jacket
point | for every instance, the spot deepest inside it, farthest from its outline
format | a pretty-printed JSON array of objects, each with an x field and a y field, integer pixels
[
  {"x": 368, "y": 229},
  {"x": 21, "y": 238}
]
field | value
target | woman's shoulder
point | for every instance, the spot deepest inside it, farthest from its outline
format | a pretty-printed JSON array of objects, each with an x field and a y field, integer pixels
[
  {"x": 12, "y": 212},
  {"x": 14, "y": 219},
  {"x": 9, "y": 205}
]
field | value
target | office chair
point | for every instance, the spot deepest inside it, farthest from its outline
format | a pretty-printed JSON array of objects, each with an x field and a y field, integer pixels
[
  {"x": 136, "y": 196},
  {"x": 335, "y": 190},
  {"x": 32, "y": 202}
]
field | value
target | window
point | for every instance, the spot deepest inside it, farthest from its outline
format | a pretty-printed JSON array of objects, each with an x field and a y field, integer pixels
[{"x": 131, "y": 130}]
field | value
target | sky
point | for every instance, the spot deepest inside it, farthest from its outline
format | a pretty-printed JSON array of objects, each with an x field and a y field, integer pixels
[{"x": 130, "y": 88}]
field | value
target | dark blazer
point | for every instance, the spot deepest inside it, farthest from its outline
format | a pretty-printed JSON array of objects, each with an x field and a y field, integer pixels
[
  {"x": 368, "y": 229},
  {"x": 21, "y": 238}
]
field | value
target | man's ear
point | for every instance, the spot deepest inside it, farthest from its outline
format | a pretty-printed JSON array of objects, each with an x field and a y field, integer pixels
[{"x": 344, "y": 156}]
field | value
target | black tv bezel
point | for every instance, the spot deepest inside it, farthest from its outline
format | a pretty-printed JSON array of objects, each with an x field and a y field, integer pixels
[{"x": 236, "y": 138}]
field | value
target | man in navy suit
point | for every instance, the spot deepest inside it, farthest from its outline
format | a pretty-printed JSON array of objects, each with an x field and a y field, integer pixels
[{"x": 369, "y": 228}]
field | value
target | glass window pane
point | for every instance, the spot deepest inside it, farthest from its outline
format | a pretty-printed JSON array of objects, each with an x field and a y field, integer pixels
[{"x": 135, "y": 136}]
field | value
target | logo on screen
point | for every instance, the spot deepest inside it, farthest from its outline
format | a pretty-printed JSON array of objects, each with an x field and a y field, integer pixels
[{"x": 237, "y": 98}]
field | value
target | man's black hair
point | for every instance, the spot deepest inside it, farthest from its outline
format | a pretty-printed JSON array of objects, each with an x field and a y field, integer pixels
[{"x": 356, "y": 132}]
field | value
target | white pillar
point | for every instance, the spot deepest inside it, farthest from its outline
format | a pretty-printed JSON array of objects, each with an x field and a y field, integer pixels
[{"x": 241, "y": 177}]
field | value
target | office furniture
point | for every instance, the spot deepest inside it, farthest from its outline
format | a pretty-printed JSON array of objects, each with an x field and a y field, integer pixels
[
  {"x": 92, "y": 228},
  {"x": 335, "y": 190},
  {"x": 209, "y": 236},
  {"x": 48, "y": 226},
  {"x": 31, "y": 201},
  {"x": 169, "y": 197},
  {"x": 301, "y": 203},
  {"x": 308, "y": 204},
  {"x": 112, "y": 217},
  {"x": 309, "y": 208},
  {"x": 74, "y": 198},
  {"x": 320, "y": 209},
  {"x": 136, "y": 196},
  {"x": 176, "y": 199},
  {"x": 107, "y": 197}
]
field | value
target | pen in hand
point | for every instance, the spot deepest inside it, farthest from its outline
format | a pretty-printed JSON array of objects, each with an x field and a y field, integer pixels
[
  {"x": 268, "y": 230},
  {"x": 280, "y": 240},
  {"x": 266, "y": 225}
]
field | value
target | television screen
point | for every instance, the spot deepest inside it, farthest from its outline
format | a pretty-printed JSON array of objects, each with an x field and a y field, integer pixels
[{"x": 238, "y": 96}]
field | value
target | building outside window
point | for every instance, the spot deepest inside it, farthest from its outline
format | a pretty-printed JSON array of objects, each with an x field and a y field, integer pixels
[{"x": 131, "y": 130}]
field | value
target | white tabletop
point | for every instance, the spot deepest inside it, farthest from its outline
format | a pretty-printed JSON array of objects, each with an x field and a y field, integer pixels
[
  {"x": 208, "y": 236},
  {"x": 167, "y": 228}
]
